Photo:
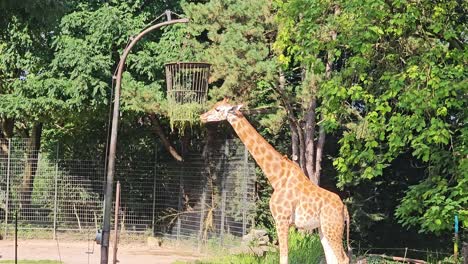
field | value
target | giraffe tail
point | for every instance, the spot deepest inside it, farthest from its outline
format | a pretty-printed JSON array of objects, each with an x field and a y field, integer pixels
[{"x": 346, "y": 219}]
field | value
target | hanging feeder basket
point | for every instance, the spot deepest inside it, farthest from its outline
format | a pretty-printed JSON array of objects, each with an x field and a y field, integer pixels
[{"x": 187, "y": 88}]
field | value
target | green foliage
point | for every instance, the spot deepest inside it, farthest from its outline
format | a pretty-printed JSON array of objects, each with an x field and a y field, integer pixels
[
  {"x": 303, "y": 248},
  {"x": 22, "y": 93},
  {"x": 233, "y": 36},
  {"x": 184, "y": 114},
  {"x": 236, "y": 37},
  {"x": 442, "y": 200},
  {"x": 397, "y": 86},
  {"x": 34, "y": 11},
  {"x": 87, "y": 48}
]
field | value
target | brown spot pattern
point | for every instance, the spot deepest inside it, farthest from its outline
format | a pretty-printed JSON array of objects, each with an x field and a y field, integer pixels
[{"x": 295, "y": 199}]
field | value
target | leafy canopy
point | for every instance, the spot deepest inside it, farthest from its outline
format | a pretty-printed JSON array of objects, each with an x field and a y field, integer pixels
[{"x": 398, "y": 85}]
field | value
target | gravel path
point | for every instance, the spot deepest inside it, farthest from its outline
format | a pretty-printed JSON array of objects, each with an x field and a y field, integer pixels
[{"x": 75, "y": 252}]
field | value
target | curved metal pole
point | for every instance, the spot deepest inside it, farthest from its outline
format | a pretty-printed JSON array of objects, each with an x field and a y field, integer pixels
[{"x": 113, "y": 139}]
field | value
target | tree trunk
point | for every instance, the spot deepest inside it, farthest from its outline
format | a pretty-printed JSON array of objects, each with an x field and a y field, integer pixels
[
  {"x": 30, "y": 169},
  {"x": 465, "y": 252},
  {"x": 321, "y": 136},
  {"x": 294, "y": 143},
  {"x": 158, "y": 131},
  {"x": 310, "y": 137},
  {"x": 6, "y": 131},
  {"x": 293, "y": 122},
  {"x": 318, "y": 158},
  {"x": 302, "y": 152}
]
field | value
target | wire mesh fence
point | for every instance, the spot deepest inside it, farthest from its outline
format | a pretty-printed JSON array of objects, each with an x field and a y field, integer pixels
[{"x": 209, "y": 196}]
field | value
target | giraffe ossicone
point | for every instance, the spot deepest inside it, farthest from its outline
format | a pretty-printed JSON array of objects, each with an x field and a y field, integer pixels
[{"x": 295, "y": 199}]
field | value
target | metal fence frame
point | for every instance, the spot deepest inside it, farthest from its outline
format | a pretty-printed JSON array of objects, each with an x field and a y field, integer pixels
[{"x": 209, "y": 196}]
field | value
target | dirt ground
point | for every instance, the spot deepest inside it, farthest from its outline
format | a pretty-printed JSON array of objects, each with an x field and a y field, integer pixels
[{"x": 75, "y": 252}]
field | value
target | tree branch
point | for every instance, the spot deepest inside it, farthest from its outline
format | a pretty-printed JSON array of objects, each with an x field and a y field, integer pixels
[
  {"x": 293, "y": 123},
  {"x": 158, "y": 131},
  {"x": 260, "y": 111}
]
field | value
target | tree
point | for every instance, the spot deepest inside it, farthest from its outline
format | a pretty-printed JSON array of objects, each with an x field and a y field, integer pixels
[
  {"x": 234, "y": 36},
  {"x": 308, "y": 65},
  {"x": 88, "y": 49},
  {"x": 56, "y": 74},
  {"x": 239, "y": 43},
  {"x": 397, "y": 85},
  {"x": 25, "y": 102}
]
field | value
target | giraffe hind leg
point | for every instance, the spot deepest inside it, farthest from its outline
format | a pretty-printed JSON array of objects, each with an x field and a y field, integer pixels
[
  {"x": 327, "y": 249},
  {"x": 333, "y": 248}
]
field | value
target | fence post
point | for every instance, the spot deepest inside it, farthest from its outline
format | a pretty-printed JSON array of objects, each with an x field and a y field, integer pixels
[
  {"x": 154, "y": 186},
  {"x": 179, "y": 204},
  {"x": 7, "y": 187},
  {"x": 202, "y": 216},
  {"x": 244, "y": 190},
  {"x": 223, "y": 192},
  {"x": 55, "y": 194},
  {"x": 116, "y": 223}
]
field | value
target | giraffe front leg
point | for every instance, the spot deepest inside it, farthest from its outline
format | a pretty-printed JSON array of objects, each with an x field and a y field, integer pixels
[
  {"x": 282, "y": 229},
  {"x": 281, "y": 212}
]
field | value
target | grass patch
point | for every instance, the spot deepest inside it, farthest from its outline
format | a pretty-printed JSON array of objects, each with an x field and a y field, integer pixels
[
  {"x": 303, "y": 248},
  {"x": 31, "y": 262}
]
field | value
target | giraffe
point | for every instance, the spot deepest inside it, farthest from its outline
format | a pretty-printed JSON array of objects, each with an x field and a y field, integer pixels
[{"x": 295, "y": 199}]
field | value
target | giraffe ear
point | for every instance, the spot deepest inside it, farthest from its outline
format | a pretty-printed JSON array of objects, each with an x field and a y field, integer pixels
[{"x": 226, "y": 100}]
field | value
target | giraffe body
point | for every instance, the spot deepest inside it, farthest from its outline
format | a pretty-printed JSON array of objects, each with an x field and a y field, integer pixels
[{"x": 295, "y": 199}]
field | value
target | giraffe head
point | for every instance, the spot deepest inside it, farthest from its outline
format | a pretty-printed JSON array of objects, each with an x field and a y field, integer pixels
[{"x": 221, "y": 111}]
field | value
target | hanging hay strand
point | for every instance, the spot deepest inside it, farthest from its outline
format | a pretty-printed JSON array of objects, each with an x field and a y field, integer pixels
[{"x": 187, "y": 88}]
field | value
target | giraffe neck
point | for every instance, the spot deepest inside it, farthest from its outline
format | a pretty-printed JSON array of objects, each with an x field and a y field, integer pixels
[{"x": 264, "y": 154}]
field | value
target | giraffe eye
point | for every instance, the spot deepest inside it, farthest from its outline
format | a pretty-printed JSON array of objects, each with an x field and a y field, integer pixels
[{"x": 218, "y": 109}]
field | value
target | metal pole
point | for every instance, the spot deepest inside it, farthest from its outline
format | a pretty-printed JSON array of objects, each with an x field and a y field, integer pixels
[
  {"x": 181, "y": 191},
  {"x": 7, "y": 187},
  {"x": 202, "y": 218},
  {"x": 154, "y": 187},
  {"x": 16, "y": 237},
  {"x": 244, "y": 190},
  {"x": 113, "y": 139},
  {"x": 179, "y": 203},
  {"x": 55, "y": 195},
  {"x": 223, "y": 191},
  {"x": 116, "y": 222},
  {"x": 455, "y": 244}
]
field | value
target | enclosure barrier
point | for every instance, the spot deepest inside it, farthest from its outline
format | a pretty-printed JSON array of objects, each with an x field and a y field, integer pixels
[{"x": 208, "y": 197}]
